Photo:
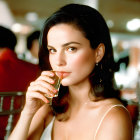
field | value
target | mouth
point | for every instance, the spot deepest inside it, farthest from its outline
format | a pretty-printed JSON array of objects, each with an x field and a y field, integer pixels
[{"x": 62, "y": 74}]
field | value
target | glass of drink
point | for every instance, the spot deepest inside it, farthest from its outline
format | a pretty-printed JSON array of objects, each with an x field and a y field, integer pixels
[{"x": 56, "y": 86}]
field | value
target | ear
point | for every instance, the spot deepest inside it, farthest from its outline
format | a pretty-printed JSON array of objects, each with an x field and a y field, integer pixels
[{"x": 100, "y": 51}]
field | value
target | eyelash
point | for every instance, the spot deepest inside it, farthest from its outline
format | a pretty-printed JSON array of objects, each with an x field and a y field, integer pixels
[
  {"x": 70, "y": 49},
  {"x": 50, "y": 50}
]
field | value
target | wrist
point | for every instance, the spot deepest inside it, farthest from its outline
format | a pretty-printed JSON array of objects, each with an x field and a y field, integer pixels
[{"x": 26, "y": 112}]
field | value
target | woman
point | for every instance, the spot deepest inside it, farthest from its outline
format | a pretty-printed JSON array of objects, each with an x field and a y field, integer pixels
[{"x": 75, "y": 42}]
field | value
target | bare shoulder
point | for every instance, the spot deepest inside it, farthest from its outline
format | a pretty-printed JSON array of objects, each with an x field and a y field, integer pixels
[
  {"x": 119, "y": 115},
  {"x": 116, "y": 125}
]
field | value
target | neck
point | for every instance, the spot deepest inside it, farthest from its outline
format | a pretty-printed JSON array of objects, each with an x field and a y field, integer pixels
[{"x": 79, "y": 94}]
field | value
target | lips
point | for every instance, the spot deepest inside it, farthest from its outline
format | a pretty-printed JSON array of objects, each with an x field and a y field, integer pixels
[{"x": 62, "y": 74}]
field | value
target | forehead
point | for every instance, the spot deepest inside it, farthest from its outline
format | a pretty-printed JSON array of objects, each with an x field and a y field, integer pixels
[
  {"x": 64, "y": 32},
  {"x": 66, "y": 26}
]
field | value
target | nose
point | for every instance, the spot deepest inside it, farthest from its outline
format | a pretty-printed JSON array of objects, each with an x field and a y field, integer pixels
[{"x": 60, "y": 59}]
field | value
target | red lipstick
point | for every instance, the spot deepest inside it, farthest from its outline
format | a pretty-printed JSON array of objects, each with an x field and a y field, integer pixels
[{"x": 62, "y": 74}]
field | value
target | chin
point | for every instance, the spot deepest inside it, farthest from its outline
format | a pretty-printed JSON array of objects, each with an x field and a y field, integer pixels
[
  {"x": 65, "y": 83},
  {"x": 68, "y": 83}
]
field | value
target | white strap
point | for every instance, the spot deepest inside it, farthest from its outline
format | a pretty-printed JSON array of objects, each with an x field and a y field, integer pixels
[{"x": 105, "y": 116}]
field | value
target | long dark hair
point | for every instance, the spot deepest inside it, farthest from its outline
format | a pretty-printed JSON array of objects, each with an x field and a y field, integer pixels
[{"x": 91, "y": 23}]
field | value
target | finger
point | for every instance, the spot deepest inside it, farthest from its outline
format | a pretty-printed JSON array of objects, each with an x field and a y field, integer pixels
[
  {"x": 46, "y": 86},
  {"x": 37, "y": 95},
  {"x": 48, "y": 73},
  {"x": 46, "y": 79},
  {"x": 42, "y": 90},
  {"x": 32, "y": 83}
]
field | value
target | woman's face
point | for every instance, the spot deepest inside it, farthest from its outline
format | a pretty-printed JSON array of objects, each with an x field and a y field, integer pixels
[{"x": 70, "y": 54}]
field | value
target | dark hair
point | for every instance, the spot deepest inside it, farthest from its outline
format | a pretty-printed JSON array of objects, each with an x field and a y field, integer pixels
[
  {"x": 93, "y": 26},
  {"x": 31, "y": 37},
  {"x": 7, "y": 38}
]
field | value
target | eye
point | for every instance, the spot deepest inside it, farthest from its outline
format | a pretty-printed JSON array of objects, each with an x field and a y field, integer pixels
[
  {"x": 51, "y": 50},
  {"x": 71, "y": 49}
]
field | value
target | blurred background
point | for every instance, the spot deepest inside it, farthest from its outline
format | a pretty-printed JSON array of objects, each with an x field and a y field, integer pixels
[
  {"x": 122, "y": 17},
  {"x": 24, "y": 17}
]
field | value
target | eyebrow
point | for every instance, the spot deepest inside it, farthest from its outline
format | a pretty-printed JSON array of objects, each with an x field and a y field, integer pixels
[{"x": 66, "y": 44}]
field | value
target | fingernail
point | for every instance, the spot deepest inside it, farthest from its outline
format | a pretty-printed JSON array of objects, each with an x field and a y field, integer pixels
[
  {"x": 55, "y": 90},
  {"x": 47, "y": 101},
  {"x": 52, "y": 81},
  {"x": 51, "y": 74}
]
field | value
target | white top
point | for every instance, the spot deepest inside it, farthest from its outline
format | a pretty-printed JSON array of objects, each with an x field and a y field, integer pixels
[{"x": 48, "y": 130}]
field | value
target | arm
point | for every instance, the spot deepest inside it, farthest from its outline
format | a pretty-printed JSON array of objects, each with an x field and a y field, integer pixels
[
  {"x": 21, "y": 129},
  {"x": 117, "y": 125},
  {"x": 31, "y": 127},
  {"x": 35, "y": 110},
  {"x": 39, "y": 122}
]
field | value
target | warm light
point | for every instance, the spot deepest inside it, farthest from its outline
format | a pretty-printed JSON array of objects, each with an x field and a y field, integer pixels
[
  {"x": 92, "y": 3},
  {"x": 16, "y": 27},
  {"x": 133, "y": 25},
  {"x": 6, "y": 17},
  {"x": 114, "y": 41},
  {"x": 21, "y": 28},
  {"x": 31, "y": 17},
  {"x": 110, "y": 23}
]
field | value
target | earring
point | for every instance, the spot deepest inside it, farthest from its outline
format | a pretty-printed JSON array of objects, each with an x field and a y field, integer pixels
[
  {"x": 96, "y": 64},
  {"x": 101, "y": 67},
  {"x": 100, "y": 80}
]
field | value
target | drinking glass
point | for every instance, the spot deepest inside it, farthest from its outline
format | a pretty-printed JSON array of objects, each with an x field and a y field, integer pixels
[{"x": 56, "y": 86}]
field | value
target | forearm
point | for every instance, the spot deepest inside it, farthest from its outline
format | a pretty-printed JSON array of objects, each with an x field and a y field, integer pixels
[{"x": 21, "y": 130}]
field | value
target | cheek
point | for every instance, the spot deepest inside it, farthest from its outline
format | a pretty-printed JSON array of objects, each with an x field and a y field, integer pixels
[
  {"x": 76, "y": 62},
  {"x": 82, "y": 62}
]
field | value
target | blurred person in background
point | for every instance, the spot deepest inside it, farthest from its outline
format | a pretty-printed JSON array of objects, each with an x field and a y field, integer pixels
[
  {"x": 15, "y": 74},
  {"x": 31, "y": 54}
]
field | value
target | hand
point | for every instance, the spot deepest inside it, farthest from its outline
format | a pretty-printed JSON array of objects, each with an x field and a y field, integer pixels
[{"x": 38, "y": 91}]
